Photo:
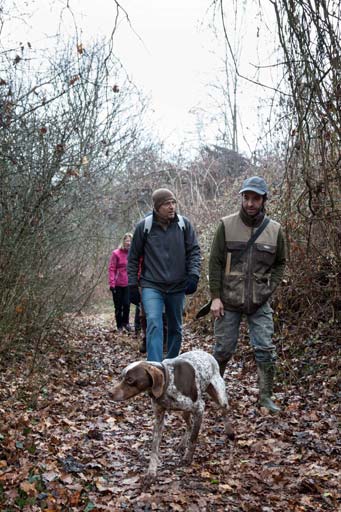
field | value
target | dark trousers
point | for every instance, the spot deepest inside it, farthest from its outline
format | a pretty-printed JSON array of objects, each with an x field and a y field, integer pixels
[
  {"x": 137, "y": 318},
  {"x": 122, "y": 305}
]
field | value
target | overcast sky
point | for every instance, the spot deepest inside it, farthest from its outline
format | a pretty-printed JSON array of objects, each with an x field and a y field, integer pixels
[
  {"x": 167, "y": 49},
  {"x": 174, "y": 61}
]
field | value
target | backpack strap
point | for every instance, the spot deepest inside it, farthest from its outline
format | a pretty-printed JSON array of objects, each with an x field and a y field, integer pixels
[
  {"x": 253, "y": 238},
  {"x": 181, "y": 223},
  {"x": 148, "y": 222}
]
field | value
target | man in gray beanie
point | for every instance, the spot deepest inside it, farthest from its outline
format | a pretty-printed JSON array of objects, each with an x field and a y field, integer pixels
[
  {"x": 161, "y": 196},
  {"x": 246, "y": 265},
  {"x": 166, "y": 245}
]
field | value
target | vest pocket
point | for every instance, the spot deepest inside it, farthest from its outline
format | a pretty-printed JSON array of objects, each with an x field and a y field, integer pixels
[
  {"x": 261, "y": 288},
  {"x": 265, "y": 254},
  {"x": 234, "y": 289}
]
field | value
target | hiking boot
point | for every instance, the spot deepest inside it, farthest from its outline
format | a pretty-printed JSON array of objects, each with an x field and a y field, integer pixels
[
  {"x": 222, "y": 367},
  {"x": 223, "y": 364},
  {"x": 143, "y": 346},
  {"x": 266, "y": 372}
]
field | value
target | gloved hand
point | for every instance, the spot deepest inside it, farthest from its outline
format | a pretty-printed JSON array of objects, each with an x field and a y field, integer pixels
[
  {"x": 112, "y": 289},
  {"x": 192, "y": 284},
  {"x": 134, "y": 294}
]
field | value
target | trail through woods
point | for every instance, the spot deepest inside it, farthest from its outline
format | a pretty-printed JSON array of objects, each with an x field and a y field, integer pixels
[{"x": 65, "y": 446}]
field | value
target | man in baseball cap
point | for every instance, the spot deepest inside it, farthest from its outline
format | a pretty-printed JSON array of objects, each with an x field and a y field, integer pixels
[{"x": 246, "y": 265}]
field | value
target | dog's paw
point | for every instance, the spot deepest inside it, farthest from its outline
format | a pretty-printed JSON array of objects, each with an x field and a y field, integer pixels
[
  {"x": 187, "y": 459},
  {"x": 231, "y": 436},
  {"x": 181, "y": 447},
  {"x": 229, "y": 431},
  {"x": 147, "y": 480}
]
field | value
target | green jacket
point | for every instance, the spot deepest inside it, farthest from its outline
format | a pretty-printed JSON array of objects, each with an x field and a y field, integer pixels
[{"x": 244, "y": 284}]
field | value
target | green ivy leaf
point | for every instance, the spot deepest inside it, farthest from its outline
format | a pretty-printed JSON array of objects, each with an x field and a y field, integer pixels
[
  {"x": 32, "y": 449},
  {"x": 90, "y": 506}
]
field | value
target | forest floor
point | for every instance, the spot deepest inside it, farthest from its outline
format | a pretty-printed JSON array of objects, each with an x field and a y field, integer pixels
[{"x": 65, "y": 446}]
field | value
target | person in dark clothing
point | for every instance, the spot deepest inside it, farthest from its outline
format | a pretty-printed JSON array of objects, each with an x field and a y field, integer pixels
[
  {"x": 170, "y": 269},
  {"x": 242, "y": 280}
]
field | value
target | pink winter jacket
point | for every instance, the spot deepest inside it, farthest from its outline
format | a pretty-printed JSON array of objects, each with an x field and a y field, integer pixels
[{"x": 117, "y": 269}]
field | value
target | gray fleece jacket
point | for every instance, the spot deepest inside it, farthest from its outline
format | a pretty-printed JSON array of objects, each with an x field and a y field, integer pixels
[{"x": 165, "y": 257}]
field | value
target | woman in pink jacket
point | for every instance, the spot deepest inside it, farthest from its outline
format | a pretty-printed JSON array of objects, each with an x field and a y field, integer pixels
[{"x": 118, "y": 282}]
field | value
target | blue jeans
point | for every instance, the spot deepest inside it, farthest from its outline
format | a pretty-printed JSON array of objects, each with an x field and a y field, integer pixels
[
  {"x": 226, "y": 330},
  {"x": 154, "y": 302}
]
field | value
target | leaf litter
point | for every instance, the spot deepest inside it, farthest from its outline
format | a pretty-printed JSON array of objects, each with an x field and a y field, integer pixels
[{"x": 73, "y": 449}]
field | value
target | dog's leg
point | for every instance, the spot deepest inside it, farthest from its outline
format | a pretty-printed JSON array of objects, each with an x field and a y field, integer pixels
[
  {"x": 187, "y": 416},
  {"x": 196, "y": 424},
  {"x": 157, "y": 434},
  {"x": 217, "y": 392}
]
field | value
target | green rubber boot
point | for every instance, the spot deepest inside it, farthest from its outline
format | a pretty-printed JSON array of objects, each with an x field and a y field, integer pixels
[{"x": 266, "y": 373}]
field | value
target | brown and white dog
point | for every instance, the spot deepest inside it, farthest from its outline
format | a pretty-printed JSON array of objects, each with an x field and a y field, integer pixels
[{"x": 176, "y": 384}]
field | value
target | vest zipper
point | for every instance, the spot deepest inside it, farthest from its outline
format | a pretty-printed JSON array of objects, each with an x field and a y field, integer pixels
[{"x": 249, "y": 295}]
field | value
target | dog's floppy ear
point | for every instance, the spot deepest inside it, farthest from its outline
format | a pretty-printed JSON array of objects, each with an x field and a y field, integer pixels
[
  {"x": 158, "y": 378},
  {"x": 184, "y": 379}
]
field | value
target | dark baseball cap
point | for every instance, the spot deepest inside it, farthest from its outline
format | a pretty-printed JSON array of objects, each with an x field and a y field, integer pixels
[{"x": 255, "y": 184}]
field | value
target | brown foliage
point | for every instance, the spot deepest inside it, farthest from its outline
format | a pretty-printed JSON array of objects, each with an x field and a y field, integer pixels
[{"x": 311, "y": 193}]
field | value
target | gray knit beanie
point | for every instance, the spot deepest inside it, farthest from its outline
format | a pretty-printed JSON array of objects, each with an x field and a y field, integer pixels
[{"x": 160, "y": 196}]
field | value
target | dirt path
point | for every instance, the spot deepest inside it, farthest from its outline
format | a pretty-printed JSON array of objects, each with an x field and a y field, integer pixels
[{"x": 71, "y": 449}]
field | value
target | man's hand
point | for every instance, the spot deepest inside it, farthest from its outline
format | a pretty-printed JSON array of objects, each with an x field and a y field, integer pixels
[
  {"x": 217, "y": 308},
  {"x": 134, "y": 294},
  {"x": 192, "y": 284}
]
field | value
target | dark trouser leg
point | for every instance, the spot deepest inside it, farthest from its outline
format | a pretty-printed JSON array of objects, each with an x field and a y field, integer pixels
[
  {"x": 117, "y": 297},
  {"x": 143, "y": 321},
  {"x": 226, "y": 330},
  {"x": 125, "y": 306},
  {"x": 137, "y": 319}
]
